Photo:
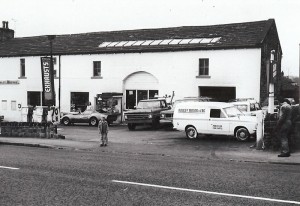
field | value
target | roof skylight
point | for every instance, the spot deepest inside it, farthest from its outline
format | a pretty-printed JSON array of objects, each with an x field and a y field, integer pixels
[
  {"x": 175, "y": 41},
  {"x": 138, "y": 43},
  {"x": 129, "y": 43},
  {"x": 147, "y": 42},
  {"x": 165, "y": 42},
  {"x": 121, "y": 43},
  {"x": 161, "y": 42}
]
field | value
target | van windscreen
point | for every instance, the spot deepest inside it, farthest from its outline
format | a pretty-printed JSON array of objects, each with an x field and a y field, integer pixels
[{"x": 232, "y": 111}]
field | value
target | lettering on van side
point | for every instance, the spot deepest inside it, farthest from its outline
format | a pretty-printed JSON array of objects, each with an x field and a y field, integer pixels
[
  {"x": 219, "y": 127},
  {"x": 191, "y": 111}
]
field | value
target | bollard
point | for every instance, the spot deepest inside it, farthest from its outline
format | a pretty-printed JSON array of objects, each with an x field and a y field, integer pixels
[{"x": 260, "y": 131}]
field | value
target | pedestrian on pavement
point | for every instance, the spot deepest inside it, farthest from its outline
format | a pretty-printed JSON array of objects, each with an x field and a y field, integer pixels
[
  {"x": 283, "y": 126},
  {"x": 103, "y": 130},
  {"x": 295, "y": 117}
]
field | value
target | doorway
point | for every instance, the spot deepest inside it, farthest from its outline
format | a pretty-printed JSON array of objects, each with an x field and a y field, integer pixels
[{"x": 134, "y": 96}]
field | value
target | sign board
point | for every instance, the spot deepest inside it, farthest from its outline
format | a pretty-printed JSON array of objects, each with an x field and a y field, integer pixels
[
  {"x": 9, "y": 82},
  {"x": 47, "y": 82}
]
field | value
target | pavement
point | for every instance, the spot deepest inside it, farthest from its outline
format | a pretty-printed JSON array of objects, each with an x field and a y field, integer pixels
[{"x": 162, "y": 142}]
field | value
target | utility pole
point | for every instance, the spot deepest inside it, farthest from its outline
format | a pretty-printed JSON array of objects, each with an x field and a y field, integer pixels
[{"x": 272, "y": 69}]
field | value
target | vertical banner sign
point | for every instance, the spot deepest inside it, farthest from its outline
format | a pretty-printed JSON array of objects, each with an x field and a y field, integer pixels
[{"x": 48, "y": 82}]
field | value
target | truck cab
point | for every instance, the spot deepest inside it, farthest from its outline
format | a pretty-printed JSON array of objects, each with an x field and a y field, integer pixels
[{"x": 147, "y": 112}]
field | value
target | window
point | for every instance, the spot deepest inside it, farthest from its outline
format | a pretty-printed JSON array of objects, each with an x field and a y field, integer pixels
[
  {"x": 4, "y": 104},
  {"x": 22, "y": 67},
  {"x": 13, "y": 105},
  {"x": 216, "y": 113},
  {"x": 34, "y": 98},
  {"x": 97, "y": 69},
  {"x": 203, "y": 67},
  {"x": 242, "y": 108}
]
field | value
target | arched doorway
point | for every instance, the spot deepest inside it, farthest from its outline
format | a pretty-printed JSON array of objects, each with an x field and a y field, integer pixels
[{"x": 139, "y": 85}]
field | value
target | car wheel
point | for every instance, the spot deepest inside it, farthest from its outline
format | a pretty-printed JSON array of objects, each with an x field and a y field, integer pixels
[
  {"x": 191, "y": 132},
  {"x": 131, "y": 126},
  {"x": 93, "y": 121},
  {"x": 242, "y": 134},
  {"x": 66, "y": 121}
]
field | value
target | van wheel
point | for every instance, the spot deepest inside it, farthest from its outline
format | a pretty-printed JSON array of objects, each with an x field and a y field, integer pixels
[
  {"x": 242, "y": 134},
  {"x": 131, "y": 126},
  {"x": 191, "y": 132}
]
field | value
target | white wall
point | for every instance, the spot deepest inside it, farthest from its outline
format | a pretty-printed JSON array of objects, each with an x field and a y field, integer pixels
[{"x": 175, "y": 71}]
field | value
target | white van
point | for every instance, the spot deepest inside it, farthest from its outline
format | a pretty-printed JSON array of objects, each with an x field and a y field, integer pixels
[{"x": 216, "y": 118}]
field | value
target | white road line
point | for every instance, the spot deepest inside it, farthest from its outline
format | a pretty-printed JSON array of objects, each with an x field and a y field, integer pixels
[
  {"x": 208, "y": 192},
  {"x": 11, "y": 168}
]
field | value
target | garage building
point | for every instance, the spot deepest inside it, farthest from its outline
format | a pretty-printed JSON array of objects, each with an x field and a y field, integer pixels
[{"x": 220, "y": 61}]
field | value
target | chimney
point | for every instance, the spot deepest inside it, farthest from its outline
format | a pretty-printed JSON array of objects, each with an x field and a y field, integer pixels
[{"x": 5, "y": 32}]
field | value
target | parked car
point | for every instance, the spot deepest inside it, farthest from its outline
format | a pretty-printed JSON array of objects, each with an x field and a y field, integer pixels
[
  {"x": 292, "y": 101},
  {"x": 166, "y": 116},
  {"x": 248, "y": 106},
  {"x": 146, "y": 112},
  {"x": 88, "y": 116},
  {"x": 213, "y": 118}
]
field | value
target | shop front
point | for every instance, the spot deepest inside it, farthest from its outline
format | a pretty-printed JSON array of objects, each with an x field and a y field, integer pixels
[{"x": 79, "y": 101}]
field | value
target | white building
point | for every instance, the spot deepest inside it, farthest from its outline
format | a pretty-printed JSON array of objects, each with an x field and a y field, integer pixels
[{"x": 221, "y": 61}]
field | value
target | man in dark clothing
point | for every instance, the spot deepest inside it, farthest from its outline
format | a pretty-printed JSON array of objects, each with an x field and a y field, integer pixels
[
  {"x": 295, "y": 117},
  {"x": 103, "y": 130},
  {"x": 284, "y": 125}
]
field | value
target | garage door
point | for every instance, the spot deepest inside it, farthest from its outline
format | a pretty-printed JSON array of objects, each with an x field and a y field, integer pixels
[{"x": 219, "y": 93}]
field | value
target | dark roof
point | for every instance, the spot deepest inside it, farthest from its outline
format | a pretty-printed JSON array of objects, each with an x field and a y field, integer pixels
[{"x": 236, "y": 35}]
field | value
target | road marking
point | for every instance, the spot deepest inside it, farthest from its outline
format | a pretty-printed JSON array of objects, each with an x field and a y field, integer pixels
[
  {"x": 208, "y": 192},
  {"x": 11, "y": 168}
]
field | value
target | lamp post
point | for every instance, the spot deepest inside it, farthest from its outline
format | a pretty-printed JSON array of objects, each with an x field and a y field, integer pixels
[{"x": 51, "y": 38}]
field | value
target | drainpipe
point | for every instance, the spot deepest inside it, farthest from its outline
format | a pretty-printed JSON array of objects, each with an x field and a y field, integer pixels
[{"x": 59, "y": 81}]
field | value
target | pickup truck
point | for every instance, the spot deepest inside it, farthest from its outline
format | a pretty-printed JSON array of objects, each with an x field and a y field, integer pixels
[{"x": 146, "y": 112}]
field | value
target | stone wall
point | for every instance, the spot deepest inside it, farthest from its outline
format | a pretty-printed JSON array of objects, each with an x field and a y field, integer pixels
[{"x": 25, "y": 129}]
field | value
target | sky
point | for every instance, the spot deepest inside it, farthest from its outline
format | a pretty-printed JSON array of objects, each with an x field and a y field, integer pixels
[{"x": 44, "y": 17}]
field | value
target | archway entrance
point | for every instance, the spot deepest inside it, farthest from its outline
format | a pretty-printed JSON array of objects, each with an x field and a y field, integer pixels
[{"x": 138, "y": 86}]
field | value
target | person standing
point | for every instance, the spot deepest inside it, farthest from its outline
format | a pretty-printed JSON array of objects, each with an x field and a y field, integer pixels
[
  {"x": 284, "y": 125},
  {"x": 103, "y": 130}
]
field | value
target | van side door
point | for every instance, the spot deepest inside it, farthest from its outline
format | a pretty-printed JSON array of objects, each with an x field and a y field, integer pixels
[{"x": 218, "y": 122}]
